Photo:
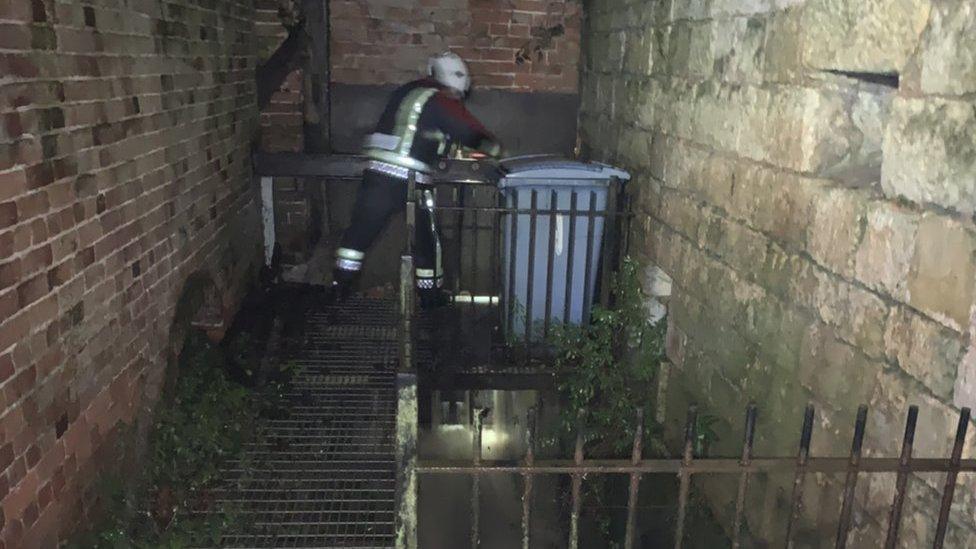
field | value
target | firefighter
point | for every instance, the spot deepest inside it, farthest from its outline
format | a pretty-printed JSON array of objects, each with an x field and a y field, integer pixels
[{"x": 420, "y": 124}]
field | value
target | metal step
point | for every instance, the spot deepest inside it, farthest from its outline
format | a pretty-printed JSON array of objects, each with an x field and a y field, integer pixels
[{"x": 324, "y": 475}]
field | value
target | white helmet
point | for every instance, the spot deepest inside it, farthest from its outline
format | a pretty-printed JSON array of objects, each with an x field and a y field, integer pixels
[{"x": 451, "y": 71}]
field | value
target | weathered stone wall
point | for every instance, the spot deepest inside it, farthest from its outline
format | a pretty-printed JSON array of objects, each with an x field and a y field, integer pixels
[
  {"x": 124, "y": 169},
  {"x": 805, "y": 171}
]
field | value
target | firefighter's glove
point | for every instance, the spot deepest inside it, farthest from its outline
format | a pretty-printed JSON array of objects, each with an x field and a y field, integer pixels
[{"x": 491, "y": 148}]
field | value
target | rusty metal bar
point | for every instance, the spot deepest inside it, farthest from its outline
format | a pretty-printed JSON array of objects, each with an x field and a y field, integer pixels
[
  {"x": 740, "y": 500},
  {"x": 588, "y": 275},
  {"x": 406, "y": 457},
  {"x": 802, "y": 459},
  {"x": 635, "y": 457},
  {"x": 476, "y": 481},
  {"x": 411, "y": 211},
  {"x": 512, "y": 256},
  {"x": 568, "y": 303},
  {"x": 530, "y": 269},
  {"x": 623, "y": 216},
  {"x": 609, "y": 243},
  {"x": 526, "y": 211},
  {"x": 847, "y": 508},
  {"x": 685, "y": 475},
  {"x": 407, "y": 408},
  {"x": 827, "y": 465},
  {"x": 459, "y": 231},
  {"x": 950, "y": 484},
  {"x": 475, "y": 225},
  {"x": 549, "y": 262},
  {"x": 527, "y": 479},
  {"x": 577, "y": 489},
  {"x": 901, "y": 484},
  {"x": 495, "y": 252}
]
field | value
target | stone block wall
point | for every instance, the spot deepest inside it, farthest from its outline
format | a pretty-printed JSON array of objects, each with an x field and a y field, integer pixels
[
  {"x": 805, "y": 171},
  {"x": 124, "y": 169},
  {"x": 527, "y": 45}
]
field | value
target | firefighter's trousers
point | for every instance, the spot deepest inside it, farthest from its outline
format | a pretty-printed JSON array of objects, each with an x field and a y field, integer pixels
[{"x": 379, "y": 197}]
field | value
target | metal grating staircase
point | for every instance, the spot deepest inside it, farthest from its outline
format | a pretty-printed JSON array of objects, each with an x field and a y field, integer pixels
[{"x": 324, "y": 475}]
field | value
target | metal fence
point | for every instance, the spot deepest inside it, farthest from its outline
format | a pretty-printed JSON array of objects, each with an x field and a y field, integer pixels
[
  {"x": 482, "y": 268},
  {"x": 744, "y": 467},
  {"x": 471, "y": 219}
]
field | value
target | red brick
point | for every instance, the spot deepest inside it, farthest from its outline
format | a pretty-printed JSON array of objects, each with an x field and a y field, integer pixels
[
  {"x": 32, "y": 456},
  {"x": 12, "y": 183},
  {"x": 32, "y": 290},
  {"x": 8, "y": 304},
  {"x": 491, "y": 15},
  {"x": 6, "y": 456},
  {"x": 37, "y": 260},
  {"x": 6, "y": 370},
  {"x": 30, "y": 514}
]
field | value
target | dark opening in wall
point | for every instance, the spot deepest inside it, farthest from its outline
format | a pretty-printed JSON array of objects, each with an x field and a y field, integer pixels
[{"x": 887, "y": 79}]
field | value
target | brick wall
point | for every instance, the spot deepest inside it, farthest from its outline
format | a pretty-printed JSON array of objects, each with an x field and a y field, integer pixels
[
  {"x": 124, "y": 168},
  {"x": 805, "y": 174},
  {"x": 383, "y": 42}
]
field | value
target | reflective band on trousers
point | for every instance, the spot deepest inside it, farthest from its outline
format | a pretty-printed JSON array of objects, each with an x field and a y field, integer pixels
[
  {"x": 349, "y": 265},
  {"x": 349, "y": 253},
  {"x": 429, "y": 283},
  {"x": 398, "y": 172}
]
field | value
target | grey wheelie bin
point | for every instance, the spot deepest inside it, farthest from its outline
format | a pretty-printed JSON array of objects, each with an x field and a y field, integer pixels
[{"x": 550, "y": 260}]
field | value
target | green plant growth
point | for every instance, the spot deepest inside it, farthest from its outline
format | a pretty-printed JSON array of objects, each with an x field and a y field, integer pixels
[
  {"x": 605, "y": 370},
  {"x": 204, "y": 423}
]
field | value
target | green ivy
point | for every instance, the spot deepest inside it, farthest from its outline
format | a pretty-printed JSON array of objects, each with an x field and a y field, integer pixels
[
  {"x": 205, "y": 423},
  {"x": 605, "y": 370}
]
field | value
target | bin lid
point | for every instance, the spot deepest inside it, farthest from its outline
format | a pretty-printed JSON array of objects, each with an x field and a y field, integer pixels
[{"x": 522, "y": 170}]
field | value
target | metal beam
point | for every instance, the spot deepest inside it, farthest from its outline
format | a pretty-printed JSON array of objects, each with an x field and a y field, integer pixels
[
  {"x": 285, "y": 59},
  {"x": 350, "y": 166},
  {"x": 317, "y": 99}
]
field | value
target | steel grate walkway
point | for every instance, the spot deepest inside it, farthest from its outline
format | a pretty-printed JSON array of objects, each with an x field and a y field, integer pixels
[{"x": 324, "y": 475}]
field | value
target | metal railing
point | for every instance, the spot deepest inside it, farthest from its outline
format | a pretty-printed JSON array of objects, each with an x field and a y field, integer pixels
[
  {"x": 493, "y": 251},
  {"x": 745, "y": 467},
  {"x": 467, "y": 220}
]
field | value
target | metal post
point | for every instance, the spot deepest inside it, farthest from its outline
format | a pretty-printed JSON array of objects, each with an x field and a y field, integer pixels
[
  {"x": 406, "y": 427},
  {"x": 476, "y": 480},
  {"x": 609, "y": 243},
  {"x": 550, "y": 258},
  {"x": 406, "y": 458},
  {"x": 527, "y": 482},
  {"x": 411, "y": 210},
  {"x": 802, "y": 458},
  {"x": 473, "y": 278},
  {"x": 571, "y": 249},
  {"x": 587, "y": 270},
  {"x": 459, "y": 233},
  {"x": 950, "y": 484},
  {"x": 268, "y": 218},
  {"x": 635, "y": 457},
  {"x": 577, "y": 489},
  {"x": 850, "y": 483},
  {"x": 901, "y": 484},
  {"x": 684, "y": 475},
  {"x": 740, "y": 500},
  {"x": 530, "y": 270},
  {"x": 512, "y": 257}
]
